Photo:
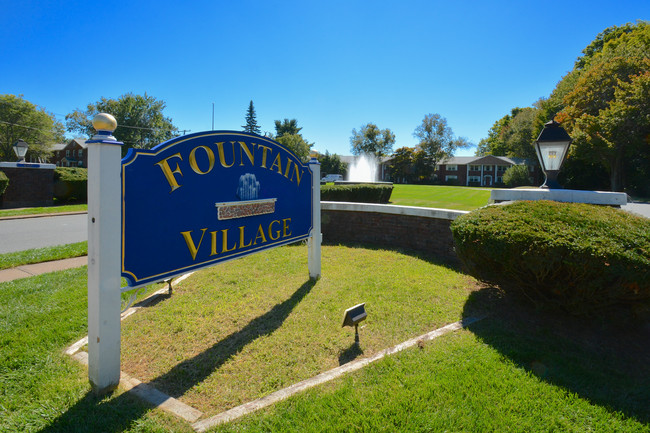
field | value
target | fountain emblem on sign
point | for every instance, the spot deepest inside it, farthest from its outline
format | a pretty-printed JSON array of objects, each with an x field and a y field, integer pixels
[{"x": 249, "y": 204}]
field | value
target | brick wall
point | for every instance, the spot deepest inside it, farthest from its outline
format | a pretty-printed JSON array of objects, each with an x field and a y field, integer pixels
[
  {"x": 28, "y": 186},
  {"x": 419, "y": 229}
]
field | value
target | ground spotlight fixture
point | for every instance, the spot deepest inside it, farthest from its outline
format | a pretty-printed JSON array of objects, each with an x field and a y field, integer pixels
[
  {"x": 552, "y": 147},
  {"x": 353, "y": 316}
]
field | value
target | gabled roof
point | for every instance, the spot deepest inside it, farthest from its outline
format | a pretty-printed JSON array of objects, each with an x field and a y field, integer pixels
[
  {"x": 80, "y": 141},
  {"x": 483, "y": 160}
]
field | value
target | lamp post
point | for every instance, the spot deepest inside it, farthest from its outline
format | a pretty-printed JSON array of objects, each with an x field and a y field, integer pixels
[
  {"x": 20, "y": 148},
  {"x": 552, "y": 147}
]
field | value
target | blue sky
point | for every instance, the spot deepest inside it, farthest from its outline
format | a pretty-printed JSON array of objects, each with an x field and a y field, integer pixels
[{"x": 333, "y": 65}]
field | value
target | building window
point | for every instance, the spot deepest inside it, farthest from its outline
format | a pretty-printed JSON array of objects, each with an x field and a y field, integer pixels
[
  {"x": 487, "y": 168},
  {"x": 452, "y": 167},
  {"x": 74, "y": 152},
  {"x": 80, "y": 152},
  {"x": 476, "y": 179},
  {"x": 501, "y": 168},
  {"x": 499, "y": 179},
  {"x": 450, "y": 177},
  {"x": 67, "y": 152},
  {"x": 475, "y": 168},
  {"x": 80, "y": 163}
]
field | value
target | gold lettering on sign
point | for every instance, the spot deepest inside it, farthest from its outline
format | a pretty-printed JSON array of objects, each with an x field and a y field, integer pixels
[
  {"x": 277, "y": 163},
  {"x": 224, "y": 234},
  {"x": 169, "y": 173},
  {"x": 190, "y": 242},
  {"x": 229, "y": 156},
  {"x": 264, "y": 150},
  {"x": 195, "y": 166},
  {"x": 243, "y": 148},
  {"x": 277, "y": 232},
  {"x": 274, "y": 231},
  {"x": 222, "y": 156}
]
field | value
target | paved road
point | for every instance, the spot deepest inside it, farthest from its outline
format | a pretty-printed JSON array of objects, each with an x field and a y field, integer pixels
[
  {"x": 642, "y": 209},
  {"x": 24, "y": 234},
  {"x": 28, "y": 233}
]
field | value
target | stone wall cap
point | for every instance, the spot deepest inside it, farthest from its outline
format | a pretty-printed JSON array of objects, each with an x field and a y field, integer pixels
[
  {"x": 27, "y": 165},
  {"x": 427, "y": 212}
]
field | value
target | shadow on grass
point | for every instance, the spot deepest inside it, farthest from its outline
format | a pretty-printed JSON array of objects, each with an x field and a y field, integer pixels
[
  {"x": 350, "y": 354},
  {"x": 450, "y": 263},
  {"x": 604, "y": 360},
  {"x": 94, "y": 414}
]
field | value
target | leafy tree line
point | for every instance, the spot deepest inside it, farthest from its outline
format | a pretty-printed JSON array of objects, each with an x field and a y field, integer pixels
[
  {"x": 604, "y": 104},
  {"x": 20, "y": 119},
  {"x": 140, "y": 118},
  {"x": 410, "y": 164}
]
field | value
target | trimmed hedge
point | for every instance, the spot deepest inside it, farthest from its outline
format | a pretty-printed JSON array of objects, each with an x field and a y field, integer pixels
[
  {"x": 582, "y": 257},
  {"x": 356, "y": 193},
  {"x": 71, "y": 183},
  {"x": 4, "y": 182}
]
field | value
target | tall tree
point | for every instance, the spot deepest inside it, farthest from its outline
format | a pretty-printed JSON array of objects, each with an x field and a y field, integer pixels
[
  {"x": 599, "y": 109},
  {"x": 296, "y": 144},
  {"x": 141, "y": 122},
  {"x": 512, "y": 135},
  {"x": 372, "y": 141},
  {"x": 251, "y": 121},
  {"x": 22, "y": 120},
  {"x": 401, "y": 167},
  {"x": 286, "y": 127},
  {"x": 437, "y": 139},
  {"x": 288, "y": 134},
  {"x": 332, "y": 164}
]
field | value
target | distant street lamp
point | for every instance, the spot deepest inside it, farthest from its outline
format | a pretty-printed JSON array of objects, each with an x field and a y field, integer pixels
[
  {"x": 552, "y": 147},
  {"x": 20, "y": 148}
]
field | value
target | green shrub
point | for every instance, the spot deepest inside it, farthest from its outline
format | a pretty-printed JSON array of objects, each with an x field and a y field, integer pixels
[
  {"x": 4, "y": 182},
  {"x": 581, "y": 257},
  {"x": 517, "y": 175},
  {"x": 358, "y": 193},
  {"x": 70, "y": 184}
]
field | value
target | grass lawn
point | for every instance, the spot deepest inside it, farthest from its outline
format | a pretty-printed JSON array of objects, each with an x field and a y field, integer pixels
[
  {"x": 250, "y": 326},
  {"x": 439, "y": 196},
  {"x": 39, "y": 255},
  {"x": 43, "y": 210}
]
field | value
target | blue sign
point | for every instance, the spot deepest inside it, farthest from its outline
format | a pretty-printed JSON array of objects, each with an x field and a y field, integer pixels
[{"x": 208, "y": 197}]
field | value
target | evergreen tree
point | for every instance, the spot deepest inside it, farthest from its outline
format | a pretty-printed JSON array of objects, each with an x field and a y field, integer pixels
[{"x": 251, "y": 121}]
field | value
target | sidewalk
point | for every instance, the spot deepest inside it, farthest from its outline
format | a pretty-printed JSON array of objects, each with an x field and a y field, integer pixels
[{"x": 25, "y": 271}]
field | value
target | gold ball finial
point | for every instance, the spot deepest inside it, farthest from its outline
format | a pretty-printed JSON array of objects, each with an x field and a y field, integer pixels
[{"x": 104, "y": 122}]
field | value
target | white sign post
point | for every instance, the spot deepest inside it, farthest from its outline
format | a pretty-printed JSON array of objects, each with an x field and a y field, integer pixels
[
  {"x": 104, "y": 219},
  {"x": 314, "y": 242}
]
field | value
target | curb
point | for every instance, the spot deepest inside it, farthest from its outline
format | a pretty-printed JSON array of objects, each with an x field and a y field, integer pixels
[{"x": 42, "y": 215}]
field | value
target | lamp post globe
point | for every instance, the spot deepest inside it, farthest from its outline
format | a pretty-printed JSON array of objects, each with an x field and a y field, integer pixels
[
  {"x": 20, "y": 149},
  {"x": 552, "y": 147}
]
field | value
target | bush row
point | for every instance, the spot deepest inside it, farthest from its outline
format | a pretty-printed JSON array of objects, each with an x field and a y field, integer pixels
[
  {"x": 4, "y": 182},
  {"x": 582, "y": 257},
  {"x": 360, "y": 193},
  {"x": 71, "y": 183}
]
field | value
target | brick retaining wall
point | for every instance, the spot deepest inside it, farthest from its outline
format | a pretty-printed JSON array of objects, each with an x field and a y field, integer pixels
[
  {"x": 420, "y": 229},
  {"x": 28, "y": 186}
]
